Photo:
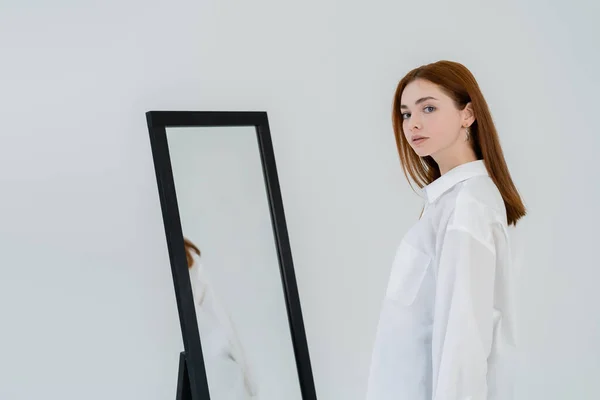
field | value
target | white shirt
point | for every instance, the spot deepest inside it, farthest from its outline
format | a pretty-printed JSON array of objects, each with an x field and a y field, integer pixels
[
  {"x": 227, "y": 372},
  {"x": 446, "y": 329}
]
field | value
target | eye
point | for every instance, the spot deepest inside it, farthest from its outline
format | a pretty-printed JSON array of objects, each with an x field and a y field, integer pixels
[
  {"x": 431, "y": 107},
  {"x": 404, "y": 116}
]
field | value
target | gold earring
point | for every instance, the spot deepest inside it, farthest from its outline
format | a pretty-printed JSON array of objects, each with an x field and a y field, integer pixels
[{"x": 467, "y": 133}]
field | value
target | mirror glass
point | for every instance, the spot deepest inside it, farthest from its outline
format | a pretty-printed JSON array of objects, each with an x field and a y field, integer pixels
[{"x": 234, "y": 268}]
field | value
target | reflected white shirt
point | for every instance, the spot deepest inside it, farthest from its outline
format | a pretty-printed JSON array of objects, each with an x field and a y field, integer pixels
[
  {"x": 227, "y": 370},
  {"x": 446, "y": 329}
]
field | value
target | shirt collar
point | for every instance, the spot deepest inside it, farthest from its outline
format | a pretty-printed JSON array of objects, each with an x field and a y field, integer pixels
[{"x": 456, "y": 175}]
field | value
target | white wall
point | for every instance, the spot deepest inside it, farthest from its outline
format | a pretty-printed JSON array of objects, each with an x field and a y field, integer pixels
[{"x": 86, "y": 299}]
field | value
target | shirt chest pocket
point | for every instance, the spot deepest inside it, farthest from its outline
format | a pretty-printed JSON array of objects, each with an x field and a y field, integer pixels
[{"x": 408, "y": 271}]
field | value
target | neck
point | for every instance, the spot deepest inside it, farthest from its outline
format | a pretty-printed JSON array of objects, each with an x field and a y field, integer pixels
[{"x": 452, "y": 157}]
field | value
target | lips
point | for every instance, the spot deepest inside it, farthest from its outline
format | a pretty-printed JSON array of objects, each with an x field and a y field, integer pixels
[{"x": 418, "y": 139}]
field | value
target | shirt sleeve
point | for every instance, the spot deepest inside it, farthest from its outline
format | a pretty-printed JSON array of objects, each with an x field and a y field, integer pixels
[{"x": 463, "y": 314}]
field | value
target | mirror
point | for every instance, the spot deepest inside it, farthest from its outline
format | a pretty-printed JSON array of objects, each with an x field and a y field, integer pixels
[{"x": 230, "y": 256}]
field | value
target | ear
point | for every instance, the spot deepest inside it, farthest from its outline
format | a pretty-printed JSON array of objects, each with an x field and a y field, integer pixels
[{"x": 468, "y": 116}]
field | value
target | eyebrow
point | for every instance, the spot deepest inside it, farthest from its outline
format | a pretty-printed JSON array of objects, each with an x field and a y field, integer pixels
[{"x": 422, "y": 99}]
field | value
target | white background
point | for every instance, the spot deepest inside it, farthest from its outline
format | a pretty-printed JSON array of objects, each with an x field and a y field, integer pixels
[
  {"x": 86, "y": 300},
  {"x": 222, "y": 199}
]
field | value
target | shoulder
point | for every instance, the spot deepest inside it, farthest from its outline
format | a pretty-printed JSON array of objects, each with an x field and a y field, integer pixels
[
  {"x": 197, "y": 270},
  {"x": 478, "y": 208},
  {"x": 199, "y": 280},
  {"x": 483, "y": 191}
]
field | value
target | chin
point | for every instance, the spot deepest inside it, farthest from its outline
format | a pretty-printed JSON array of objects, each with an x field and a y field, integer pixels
[{"x": 422, "y": 152}]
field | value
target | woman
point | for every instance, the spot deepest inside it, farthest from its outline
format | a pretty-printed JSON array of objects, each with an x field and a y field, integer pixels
[
  {"x": 227, "y": 374},
  {"x": 446, "y": 326}
]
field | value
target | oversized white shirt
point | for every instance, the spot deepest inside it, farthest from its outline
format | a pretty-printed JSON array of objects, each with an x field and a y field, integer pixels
[
  {"x": 446, "y": 329},
  {"x": 227, "y": 371}
]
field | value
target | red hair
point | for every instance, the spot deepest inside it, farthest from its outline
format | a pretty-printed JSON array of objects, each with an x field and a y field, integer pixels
[{"x": 190, "y": 248}]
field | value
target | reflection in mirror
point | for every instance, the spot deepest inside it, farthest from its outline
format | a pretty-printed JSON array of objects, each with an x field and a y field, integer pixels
[{"x": 233, "y": 263}]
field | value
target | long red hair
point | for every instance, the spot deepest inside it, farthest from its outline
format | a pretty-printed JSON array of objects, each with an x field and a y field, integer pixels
[{"x": 458, "y": 83}]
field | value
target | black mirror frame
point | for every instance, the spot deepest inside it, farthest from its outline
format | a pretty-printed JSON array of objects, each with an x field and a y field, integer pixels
[{"x": 192, "y": 381}]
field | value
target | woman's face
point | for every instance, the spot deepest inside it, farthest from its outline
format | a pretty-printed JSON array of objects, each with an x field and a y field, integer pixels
[{"x": 429, "y": 113}]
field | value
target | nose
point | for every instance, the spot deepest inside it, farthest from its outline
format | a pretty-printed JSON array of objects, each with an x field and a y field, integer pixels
[{"x": 415, "y": 124}]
